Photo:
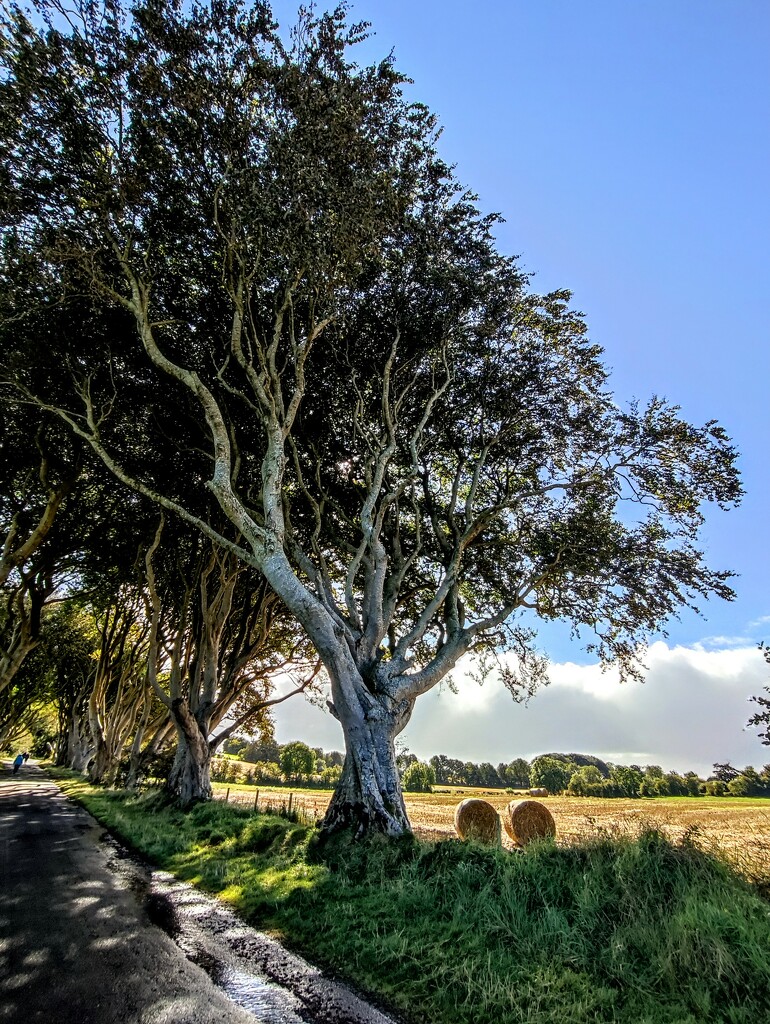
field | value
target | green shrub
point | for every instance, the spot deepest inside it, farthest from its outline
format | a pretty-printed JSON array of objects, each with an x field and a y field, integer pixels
[
  {"x": 418, "y": 778},
  {"x": 716, "y": 787},
  {"x": 331, "y": 775}
]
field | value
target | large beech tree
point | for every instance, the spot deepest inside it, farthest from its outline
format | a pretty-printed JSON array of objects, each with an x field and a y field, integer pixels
[
  {"x": 420, "y": 455},
  {"x": 218, "y": 638},
  {"x": 38, "y": 471}
]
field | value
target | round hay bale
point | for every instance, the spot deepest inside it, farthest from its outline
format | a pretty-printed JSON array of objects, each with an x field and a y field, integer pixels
[
  {"x": 477, "y": 819},
  {"x": 526, "y": 820}
]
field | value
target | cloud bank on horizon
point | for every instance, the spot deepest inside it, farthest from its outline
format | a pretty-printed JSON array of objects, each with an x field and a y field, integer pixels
[{"x": 689, "y": 713}]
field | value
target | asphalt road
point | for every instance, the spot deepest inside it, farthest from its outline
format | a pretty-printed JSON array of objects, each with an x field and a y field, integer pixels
[
  {"x": 91, "y": 935},
  {"x": 76, "y": 946}
]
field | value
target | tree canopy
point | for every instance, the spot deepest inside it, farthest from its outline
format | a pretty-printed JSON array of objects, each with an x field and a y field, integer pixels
[{"x": 296, "y": 333}]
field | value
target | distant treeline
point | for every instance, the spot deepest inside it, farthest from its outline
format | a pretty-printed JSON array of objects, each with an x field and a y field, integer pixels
[
  {"x": 582, "y": 775},
  {"x": 573, "y": 774},
  {"x": 586, "y": 775},
  {"x": 275, "y": 763}
]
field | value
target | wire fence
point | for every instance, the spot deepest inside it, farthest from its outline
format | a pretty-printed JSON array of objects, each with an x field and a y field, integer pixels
[{"x": 297, "y": 807}]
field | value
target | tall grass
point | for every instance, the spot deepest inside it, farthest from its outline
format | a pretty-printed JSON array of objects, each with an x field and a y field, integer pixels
[{"x": 618, "y": 929}]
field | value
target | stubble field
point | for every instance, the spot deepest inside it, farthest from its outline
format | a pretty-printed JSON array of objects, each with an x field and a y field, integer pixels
[{"x": 738, "y": 827}]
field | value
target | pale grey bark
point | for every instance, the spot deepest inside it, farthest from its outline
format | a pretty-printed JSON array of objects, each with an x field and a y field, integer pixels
[
  {"x": 80, "y": 743},
  {"x": 190, "y": 778},
  {"x": 17, "y": 550},
  {"x": 368, "y": 796},
  {"x": 144, "y": 752},
  {"x": 370, "y": 654},
  {"x": 133, "y": 775},
  {"x": 219, "y": 656},
  {"x": 371, "y": 696},
  {"x": 24, "y": 596},
  {"x": 19, "y": 632},
  {"x": 119, "y": 689}
]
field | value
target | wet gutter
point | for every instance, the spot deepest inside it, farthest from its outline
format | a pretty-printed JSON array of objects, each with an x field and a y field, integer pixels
[{"x": 253, "y": 970}]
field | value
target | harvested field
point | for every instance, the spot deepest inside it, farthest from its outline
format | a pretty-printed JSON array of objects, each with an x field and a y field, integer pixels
[{"x": 739, "y": 827}]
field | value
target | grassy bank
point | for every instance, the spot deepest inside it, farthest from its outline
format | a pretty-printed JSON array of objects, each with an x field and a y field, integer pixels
[{"x": 632, "y": 931}]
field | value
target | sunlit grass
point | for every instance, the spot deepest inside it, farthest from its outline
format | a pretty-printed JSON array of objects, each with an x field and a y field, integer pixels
[
  {"x": 735, "y": 827},
  {"x": 629, "y": 929}
]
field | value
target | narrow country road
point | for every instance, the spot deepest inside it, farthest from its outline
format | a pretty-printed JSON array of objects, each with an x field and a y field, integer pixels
[
  {"x": 75, "y": 948},
  {"x": 88, "y": 936}
]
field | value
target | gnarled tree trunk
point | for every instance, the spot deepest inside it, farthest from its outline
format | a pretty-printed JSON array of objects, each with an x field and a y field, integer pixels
[
  {"x": 104, "y": 769},
  {"x": 20, "y": 628},
  {"x": 80, "y": 742},
  {"x": 142, "y": 756},
  {"x": 368, "y": 797},
  {"x": 190, "y": 778}
]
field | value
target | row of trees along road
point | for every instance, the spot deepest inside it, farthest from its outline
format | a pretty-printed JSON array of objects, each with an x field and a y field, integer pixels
[
  {"x": 153, "y": 639},
  {"x": 237, "y": 269}
]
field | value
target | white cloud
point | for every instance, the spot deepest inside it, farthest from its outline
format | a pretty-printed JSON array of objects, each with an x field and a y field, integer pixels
[
  {"x": 590, "y": 679},
  {"x": 716, "y": 642},
  {"x": 690, "y": 712},
  {"x": 749, "y": 637}
]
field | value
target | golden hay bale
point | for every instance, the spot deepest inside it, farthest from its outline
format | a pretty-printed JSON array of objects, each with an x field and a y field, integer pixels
[
  {"x": 477, "y": 819},
  {"x": 526, "y": 820}
]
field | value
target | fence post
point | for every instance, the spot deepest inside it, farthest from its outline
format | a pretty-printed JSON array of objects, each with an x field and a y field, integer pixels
[
  {"x": 256, "y": 798},
  {"x": 290, "y": 798},
  {"x": 227, "y": 795}
]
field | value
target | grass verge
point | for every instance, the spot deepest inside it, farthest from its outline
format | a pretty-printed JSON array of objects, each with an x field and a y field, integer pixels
[{"x": 621, "y": 930}]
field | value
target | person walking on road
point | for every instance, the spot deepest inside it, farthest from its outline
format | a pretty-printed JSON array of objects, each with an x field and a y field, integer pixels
[{"x": 18, "y": 762}]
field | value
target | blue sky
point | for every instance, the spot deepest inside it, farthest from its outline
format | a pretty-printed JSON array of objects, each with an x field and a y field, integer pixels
[{"x": 627, "y": 146}]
